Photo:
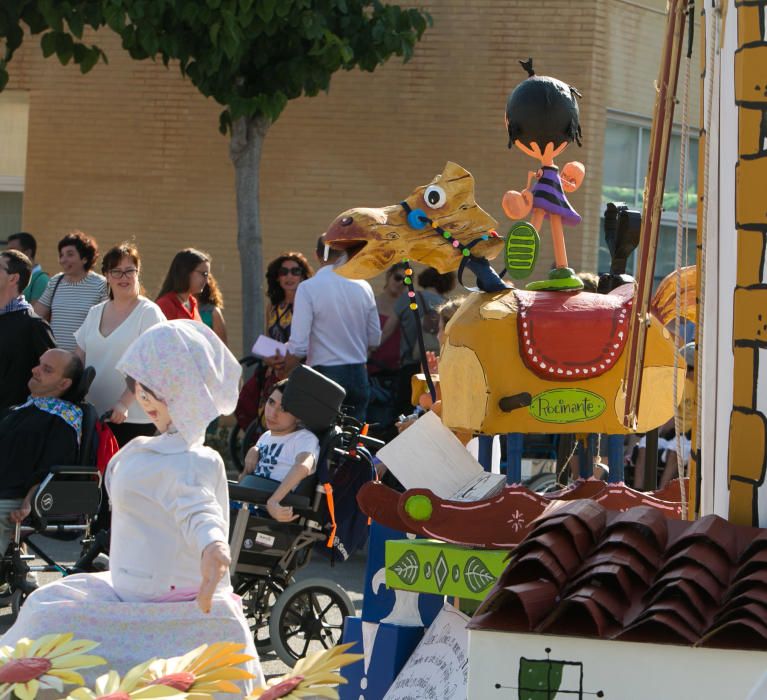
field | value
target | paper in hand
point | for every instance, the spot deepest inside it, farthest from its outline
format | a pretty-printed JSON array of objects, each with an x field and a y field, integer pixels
[{"x": 268, "y": 347}]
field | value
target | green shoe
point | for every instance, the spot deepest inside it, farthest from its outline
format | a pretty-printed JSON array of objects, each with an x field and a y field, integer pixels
[
  {"x": 560, "y": 279},
  {"x": 521, "y": 250}
]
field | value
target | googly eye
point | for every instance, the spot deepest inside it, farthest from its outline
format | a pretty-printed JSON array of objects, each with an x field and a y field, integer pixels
[{"x": 435, "y": 197}]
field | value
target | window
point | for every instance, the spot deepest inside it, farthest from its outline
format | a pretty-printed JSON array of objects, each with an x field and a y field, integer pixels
[
  {"x": 625, "y": 164},
  {"x": 14, "y": 113}
]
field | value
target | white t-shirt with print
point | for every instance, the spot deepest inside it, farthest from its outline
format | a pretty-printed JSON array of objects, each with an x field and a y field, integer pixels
[{"x": 277, "y": 453}]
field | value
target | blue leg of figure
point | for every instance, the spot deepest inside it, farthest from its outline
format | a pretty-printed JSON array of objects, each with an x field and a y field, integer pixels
[
  {"x": 615, "y": 458},
  {"x": 485, "y": 452},
  {"x": 514, "y": 443}
]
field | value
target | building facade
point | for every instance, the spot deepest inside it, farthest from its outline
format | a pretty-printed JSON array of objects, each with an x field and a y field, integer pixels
[{"x": 132, "y": 150}]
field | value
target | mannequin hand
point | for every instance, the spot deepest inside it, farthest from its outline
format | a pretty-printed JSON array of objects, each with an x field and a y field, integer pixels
[
  {"x": 282, "y": 513},
  {"x": 214, "y": 564},
  {"x": 572, "y": 176}
]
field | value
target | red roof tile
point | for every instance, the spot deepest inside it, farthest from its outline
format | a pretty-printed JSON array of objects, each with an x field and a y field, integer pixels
[{"x": 636, "y": 576}]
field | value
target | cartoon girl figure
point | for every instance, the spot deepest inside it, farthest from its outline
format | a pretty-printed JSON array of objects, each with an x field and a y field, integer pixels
[{"x": 542, "y": 120}]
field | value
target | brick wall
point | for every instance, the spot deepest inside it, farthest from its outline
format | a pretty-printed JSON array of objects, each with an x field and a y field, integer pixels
[{"x": 131, "y": 149}]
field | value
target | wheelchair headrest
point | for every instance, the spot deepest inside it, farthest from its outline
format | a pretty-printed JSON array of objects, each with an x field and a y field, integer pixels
[
  {"x": 77, "y": 394},
  {"x": 313, "y": 398}
]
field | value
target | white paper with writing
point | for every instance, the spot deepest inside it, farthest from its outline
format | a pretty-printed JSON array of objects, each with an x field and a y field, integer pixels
[{"x": 438, "y": 669}]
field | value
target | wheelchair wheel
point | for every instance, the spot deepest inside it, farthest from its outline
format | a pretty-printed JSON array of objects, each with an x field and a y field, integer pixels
[
  {"x": 17, "y": 600},
  {"x": 309, "y": 616},
  {"x": 257, "y": 603}
]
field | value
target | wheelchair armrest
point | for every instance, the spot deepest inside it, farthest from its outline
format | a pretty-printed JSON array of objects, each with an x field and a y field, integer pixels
[
  {"x": 75, "y": 470},
  {"x": 256, "y": 490}
]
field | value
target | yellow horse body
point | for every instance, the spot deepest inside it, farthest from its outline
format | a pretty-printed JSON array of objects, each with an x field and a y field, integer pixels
[{"x": 488, "y": 383}]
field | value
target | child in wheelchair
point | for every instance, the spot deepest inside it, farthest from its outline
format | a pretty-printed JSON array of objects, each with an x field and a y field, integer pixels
[
  {"x": 285, "y": 455},
  {"x": 314, "y": 471}
]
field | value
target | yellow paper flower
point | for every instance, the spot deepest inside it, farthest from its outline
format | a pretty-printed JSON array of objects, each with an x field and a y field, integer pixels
[
  {"x": 133, "y": 686},
  {"x": 49, "y": 662},
  {"x": 314, "y": 676},
  {"x": 203, "y": 671}
]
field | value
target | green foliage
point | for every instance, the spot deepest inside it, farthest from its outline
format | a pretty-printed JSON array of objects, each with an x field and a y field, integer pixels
[
  {"x": 251, "y": 56},
  {"x": 63, "y": 22}
]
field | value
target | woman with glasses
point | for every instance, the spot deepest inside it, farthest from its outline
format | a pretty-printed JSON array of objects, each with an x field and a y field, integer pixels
[
  {"x": 108, "y": 329},
  {"x": 187, "y": 276}
]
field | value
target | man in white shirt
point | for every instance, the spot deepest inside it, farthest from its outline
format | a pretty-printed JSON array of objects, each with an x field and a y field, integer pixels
[{"x": 335, "y": 326}]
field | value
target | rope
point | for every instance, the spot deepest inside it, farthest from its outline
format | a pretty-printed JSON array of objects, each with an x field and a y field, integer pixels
[
  {"x": 566, "y": 464},
  {"x": 713, "y": 42},
  {"x": 681, "y": 244}
]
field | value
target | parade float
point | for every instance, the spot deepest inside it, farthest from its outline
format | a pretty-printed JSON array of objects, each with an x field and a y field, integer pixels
[{"x": 680, "y": 580}]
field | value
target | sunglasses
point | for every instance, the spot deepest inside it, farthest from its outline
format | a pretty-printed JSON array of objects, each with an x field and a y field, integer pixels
[{"x": 295, "y": 271}]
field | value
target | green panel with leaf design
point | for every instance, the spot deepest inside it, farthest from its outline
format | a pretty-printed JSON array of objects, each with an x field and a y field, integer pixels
[{"x": 430, "y": 566}]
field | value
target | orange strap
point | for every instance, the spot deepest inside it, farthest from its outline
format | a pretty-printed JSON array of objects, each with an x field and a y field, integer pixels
[{"x": 332, "y": 511}]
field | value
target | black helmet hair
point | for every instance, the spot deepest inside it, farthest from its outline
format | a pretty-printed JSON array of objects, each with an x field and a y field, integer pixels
[{"x": 543, "y": 109}]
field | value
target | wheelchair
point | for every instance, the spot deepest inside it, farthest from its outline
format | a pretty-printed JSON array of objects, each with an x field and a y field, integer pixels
[
  {"x": 294, "y": 618},
  {"x": 63, "y": 507}
]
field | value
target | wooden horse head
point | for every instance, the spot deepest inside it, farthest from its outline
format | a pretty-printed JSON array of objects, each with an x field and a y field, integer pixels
[{"x": 375, "y": 239}]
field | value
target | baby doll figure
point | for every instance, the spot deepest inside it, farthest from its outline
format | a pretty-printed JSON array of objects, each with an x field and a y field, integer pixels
[{"x": 542, "y": 120}]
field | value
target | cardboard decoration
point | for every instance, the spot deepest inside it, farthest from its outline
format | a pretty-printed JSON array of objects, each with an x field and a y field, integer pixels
[
  {"x": 375, "y": 239},
  {"x": 430, "y": 566},
  {"x": 547, "y": 384},
  {"x": 542, "y": 119},
  {"x": 486, "y": 347},
  {"x": 503, "y": 520}
]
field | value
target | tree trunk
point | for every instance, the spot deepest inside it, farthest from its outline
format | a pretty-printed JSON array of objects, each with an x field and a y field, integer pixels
[{"x": 245, "y": 146}]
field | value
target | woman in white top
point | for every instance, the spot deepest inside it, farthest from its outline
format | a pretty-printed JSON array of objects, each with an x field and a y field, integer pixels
[
  {"x": 167, "y": 589},
  {"x": 71, "y": 293},
  {"x": 108, "y": 330}
]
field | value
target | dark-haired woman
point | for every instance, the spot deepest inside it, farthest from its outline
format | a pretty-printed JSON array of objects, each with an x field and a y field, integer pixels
[
  {"x": 108, "y": 330},
  {"x": 283, "y": 275},
  {"x": 210, "y": 302},
  {"x": 71, "y": 293},
  {"x": 187, "y": 276}
]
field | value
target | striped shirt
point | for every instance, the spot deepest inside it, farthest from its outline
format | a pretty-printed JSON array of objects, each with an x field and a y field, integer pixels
[{"x": 71, "y": 304}]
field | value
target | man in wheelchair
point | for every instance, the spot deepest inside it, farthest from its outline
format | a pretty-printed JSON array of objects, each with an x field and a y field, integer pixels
[
  {"x": 286, "y": 453},
  {"x": 43, "y": 432}
]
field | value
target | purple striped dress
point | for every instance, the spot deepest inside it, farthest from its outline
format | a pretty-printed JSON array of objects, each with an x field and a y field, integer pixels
[{"x": 549, "y": 196}]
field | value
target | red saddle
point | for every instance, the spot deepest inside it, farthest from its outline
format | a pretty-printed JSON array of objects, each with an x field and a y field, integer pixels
[{"x": 566, "y": 337}]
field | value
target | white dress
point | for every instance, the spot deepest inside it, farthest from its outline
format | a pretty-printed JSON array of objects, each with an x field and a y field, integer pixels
[{"x": 168, "y": 502}]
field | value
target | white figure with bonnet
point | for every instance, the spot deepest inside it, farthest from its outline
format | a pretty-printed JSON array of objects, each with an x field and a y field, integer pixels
[{"x": 168, "y": 588}]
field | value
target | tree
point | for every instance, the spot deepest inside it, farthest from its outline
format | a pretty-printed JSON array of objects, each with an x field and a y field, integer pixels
[{"x": 251, "y": 56}]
